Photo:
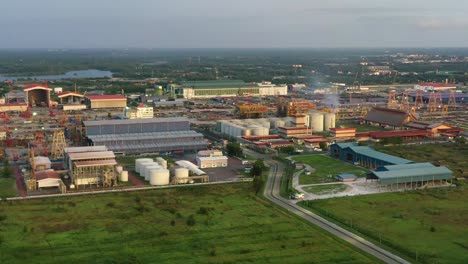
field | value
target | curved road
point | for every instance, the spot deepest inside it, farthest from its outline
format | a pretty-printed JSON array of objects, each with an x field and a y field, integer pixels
[{"x": 272, "y": 192}]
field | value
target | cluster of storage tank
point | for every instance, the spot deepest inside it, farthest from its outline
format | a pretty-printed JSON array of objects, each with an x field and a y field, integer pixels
[
  {"x": 250, "y": 127},
  {"x": 320, "y": 121},
  {"x": 122, "y": 175},
  {"x": 155, "y": 172}
]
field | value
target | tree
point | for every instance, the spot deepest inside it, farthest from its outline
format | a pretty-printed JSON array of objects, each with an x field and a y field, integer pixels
[
  {"x": 234, "y": 149},
  {"x": 287, "y": 149},
  {"x": 323, "y": 145},
  {"x": 460, "y": 140},
  {"x": 6, "y": 171},
  {"x": 258, "y": 183},
  {"x": 257, "y": 168}
]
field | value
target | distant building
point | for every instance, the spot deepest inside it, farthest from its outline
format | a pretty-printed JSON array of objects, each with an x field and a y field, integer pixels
[
  {"x": 106, "y": 101},
  {"x": 346, "y": 177},
  {"x": 224, "y": 88},
  {"x": 343, "y": 133},
  {"x": 212, "y": 162},
  {"x": 37, "y": 95},
  {"x": 434, "y": 86},
  {"x": 139, "y": 112},
  {"x": 390, "y": 117}
]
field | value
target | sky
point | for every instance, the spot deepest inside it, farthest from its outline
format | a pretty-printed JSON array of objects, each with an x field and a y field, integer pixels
[{"x": 233, "y": 24}]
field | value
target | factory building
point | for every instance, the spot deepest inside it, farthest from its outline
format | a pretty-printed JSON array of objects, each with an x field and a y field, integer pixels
[
  {"x": 388, "y": 117},
  {"x": 211, "y": 159},
  {"x": 106, "y": 101},
  {"x": 71, "y": 101},
  {"x": 343, "y": 133},
  {"x": 138, "y": 112},
  {"x": 149, "y": 135},
  {"x": 208, "y": 89},
  {"x": 90, "y": 166},
  {"x": 364, "y": 156},
  {"x": 37, "y": 95}
]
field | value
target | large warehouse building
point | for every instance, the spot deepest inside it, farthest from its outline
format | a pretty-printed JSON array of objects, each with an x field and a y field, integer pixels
[
  {"x": 149, "y": 135},
  {"x": 388, "y": 117},
  {"x": 413, "y": 175},
  {"x": 208, "y": 89},
  {"x": 106, "y": 101},
  {"x": 364, "y": 156}
]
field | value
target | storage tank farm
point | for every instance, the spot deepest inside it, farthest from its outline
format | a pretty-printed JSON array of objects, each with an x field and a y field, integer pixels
[
  {"x": 316, "y": 121},
  {"x": 148, "y": 169},
  {"x": 329, "y": 121}
]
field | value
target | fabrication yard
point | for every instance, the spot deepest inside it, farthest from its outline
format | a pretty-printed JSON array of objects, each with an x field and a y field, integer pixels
[
  {"x": 326, "y": 168},
  {"x": 225, "y": 223},
  {"x": 429, "y": 226}
]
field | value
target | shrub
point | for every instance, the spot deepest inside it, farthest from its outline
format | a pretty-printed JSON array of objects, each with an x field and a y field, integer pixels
[
  {"x": 213, "y": 252},
  {"x": 110, "y": 204},
  {"x": 191, "y": 221},
  {"x": 172, "y": 222},
  {"x": 432, "y": 229},
  {"x": 3, "y": 217}
]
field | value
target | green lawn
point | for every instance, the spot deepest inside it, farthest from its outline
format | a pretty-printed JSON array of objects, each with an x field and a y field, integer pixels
[
  {"x": 326, "y": 168},
  {"x": 8, "y": 187},
  {"x": 430, "y": 224},
  {"x": 326, "y": 189},
  {"x": 208, "y": 224}
]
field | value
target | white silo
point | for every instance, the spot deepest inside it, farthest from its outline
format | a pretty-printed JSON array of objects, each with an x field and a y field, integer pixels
[
  {"x": 124, "y": 176},
  {"x": 159, "y": 177},
  {"x": 316, "y": 121},
  {"x": 139, "y": 161},
  {"x": 181, "y": 173},
  {"x": 257, "y": 131},
  {"x": 329, "y": 121},
  {"x": 146, "y": 169},
  {"x": 246, "y": 132},
  {"x": 118, "y": 169},
  {"x": 141, "y": 166},
  {"x": 266, "y": 131}
]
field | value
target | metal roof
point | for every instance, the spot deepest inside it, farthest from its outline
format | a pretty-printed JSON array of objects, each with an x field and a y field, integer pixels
[
  {"x": 145, "y": 136},
  {"x": 216, "y": 84},
  {"x": 134, "y": 121},
  {"x": 346, "y": 145},
  {"x": 413, "y": 175},
  {"x": 347, "y": 176},
  {"x": 91, "y": 155},
  {"x": 91, "y": 163},
  {"x": 85, "y": 149},
  {"x": 106, "y": 97},
  {"x": 405, "y": 166},
  {"x": 370, "y": 152},
  {"x": 387, "y": 116}
]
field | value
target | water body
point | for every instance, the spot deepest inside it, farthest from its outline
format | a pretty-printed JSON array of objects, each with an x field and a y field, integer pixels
[{"x": 91, "y": 73}]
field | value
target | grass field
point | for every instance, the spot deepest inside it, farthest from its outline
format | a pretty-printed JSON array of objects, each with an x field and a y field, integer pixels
[
  {"x": 325, "y": 167},
  {"x": 209, "y": 224},
  {"x": 8, "y": 187},
  {"x": 430, "y": 224},
  {"x": 325, "y": 189}
]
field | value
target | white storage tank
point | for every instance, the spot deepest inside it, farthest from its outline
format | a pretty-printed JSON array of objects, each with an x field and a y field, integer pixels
[
  {"x": 329, "y": 121},
  {"x": 316, "y": 121},
  {"x": 118, "y": 169},
  {"x": 124, "y": 176},
  {"x": 163, "y": 164},
  {"x": 139, "y": 161},
  {"x": 181, "y": 173},
  {"x": 257, "y": 131},
  {"x": 159, "y": 177},
  {"x": 246, "y": 132},
  {"x": 141, "y": 166},
  {"x": 145, "y": 168},
  {"x": 266, "y": 131},
  {"x": 265, "y": 123}
]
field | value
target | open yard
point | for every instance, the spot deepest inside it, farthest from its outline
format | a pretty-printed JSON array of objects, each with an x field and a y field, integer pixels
[
  {"x": 326, "y": 168},
  {"x": 325, "y": 189},
  {"x": 430, "y": 226},
  {"x": 202, "y": 224}
]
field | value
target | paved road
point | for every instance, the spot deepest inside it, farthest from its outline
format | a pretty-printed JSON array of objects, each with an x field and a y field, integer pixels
[{"x": 272, "y": 192}]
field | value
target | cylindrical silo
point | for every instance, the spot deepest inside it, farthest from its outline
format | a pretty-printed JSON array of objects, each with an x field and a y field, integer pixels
[
  {"x": 266, "y": 131},
  {"x": 265, "y": 123},
  {"x": 316, "y": 121},
  {"x": 329, "y": 121},
  {"x": 181, "y": 173},
  {"x": 141, "y": 166},
  {"x": 146, "y": 169},
  {"x": 246, "y": 132},
  {"x": 124, "y": 176},
  {"x": 257, "y": 131},
  {"x": 118, "y": 169},
  {"x": 139, "y": 161},
  {"x": 159, "y": 177}
]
